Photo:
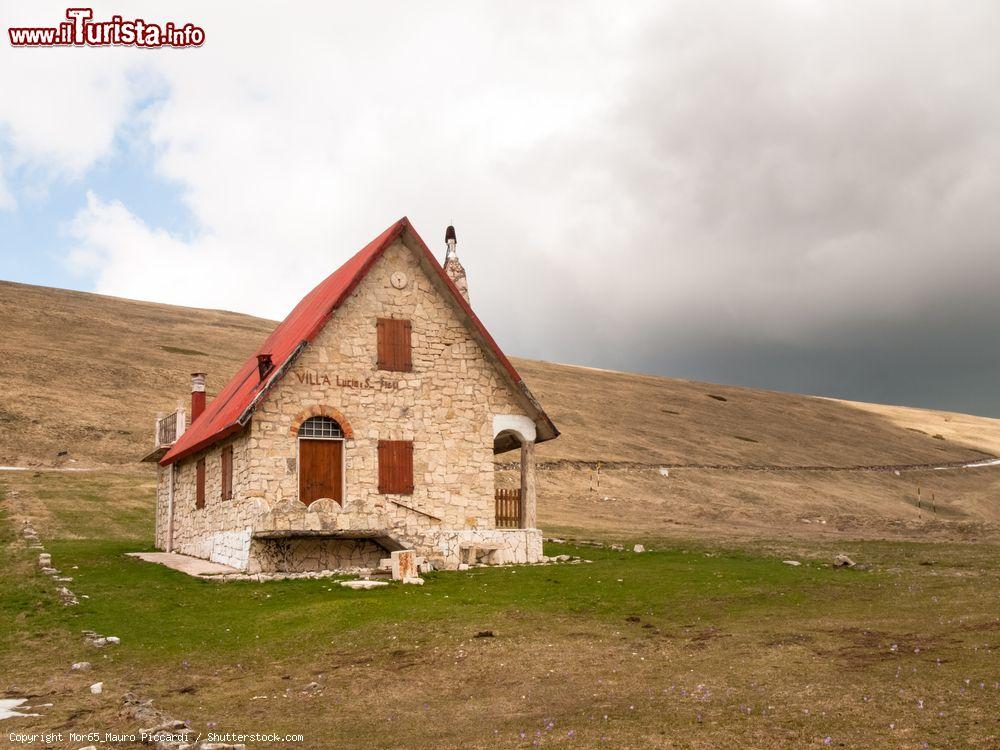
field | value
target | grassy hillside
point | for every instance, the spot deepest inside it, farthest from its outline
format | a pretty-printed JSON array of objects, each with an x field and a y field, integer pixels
[{"x": 84, "y": 375}]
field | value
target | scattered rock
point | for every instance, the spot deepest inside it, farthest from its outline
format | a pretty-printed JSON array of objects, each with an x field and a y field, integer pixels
[
  {"x": 81, "y": 666},
  {"x": 414, "y": 580},
  {"x": 633, "y": 618},
  {"x": 843, "y": 561},
  {"x": 617, "y": 548},
  {"x": 796, "y": 563},
  {"x": 485, "y": 634},
  {"x": 638, "y": 548},
  {"x": 97, "y": 688},
  {"x": 463, "y": 566},
  {"x": 142, "y": 711},
  {"x": 45, "y": 560},
  {"x": 113, "y": 639}
]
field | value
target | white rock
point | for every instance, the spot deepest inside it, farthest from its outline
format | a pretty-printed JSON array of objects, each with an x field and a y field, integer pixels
[
  {"x": 791, "y": 562},
  {"x": 843, "y": 561},
  {"x": 415, "y": 580},
  {"x": 463, "y": 566},
  {"x": 81, "y": 666},
  {"x": 638, "y": 548},
  {"x": 97, "y": 688},
  {"x": 363, "y": 584},
  {"x": 114, "y": 639}
]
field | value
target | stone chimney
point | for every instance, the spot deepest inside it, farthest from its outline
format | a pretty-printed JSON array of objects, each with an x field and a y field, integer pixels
[
  {"x": 197, "y": 394},
  {"x": 453, "y": 266}
]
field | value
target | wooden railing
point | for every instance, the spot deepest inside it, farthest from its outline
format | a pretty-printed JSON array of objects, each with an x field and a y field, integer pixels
[{"x": 508, "y": 506}]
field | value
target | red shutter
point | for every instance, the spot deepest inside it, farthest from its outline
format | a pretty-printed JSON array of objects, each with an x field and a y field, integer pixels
[
  {"x": 394, "y": 344},
  {"x": 227, "y": 473},
  {"x": 395, "y": 467},
  {"x": 199, "y": 497}
]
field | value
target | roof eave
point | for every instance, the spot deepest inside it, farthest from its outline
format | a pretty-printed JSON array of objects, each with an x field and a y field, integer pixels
[{"x": 203, "y": 445}]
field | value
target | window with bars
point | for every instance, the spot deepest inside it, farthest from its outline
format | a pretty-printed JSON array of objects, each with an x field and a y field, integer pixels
[
  {"x": 320, "y": 427},
  {"x": 227, "y": 473},
  {"x": 394, "y": 345},
  {"x": 395, "y": 467},
  {"x": 199, "y": 493}
]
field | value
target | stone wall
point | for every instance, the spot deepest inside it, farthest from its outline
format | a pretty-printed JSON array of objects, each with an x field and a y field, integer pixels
[
  {"x": 498, "y": 546},
  {"x": 445, "y": 406},
  {"x": 220, "y": 531},
  {"x": 303, "y": 555}
]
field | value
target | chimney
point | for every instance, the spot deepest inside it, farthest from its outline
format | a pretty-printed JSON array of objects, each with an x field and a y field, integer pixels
[
  {"x": 452, "y": 265},
  {"x": 264, "y": 365},
  {"x": 197, "y": 395}
]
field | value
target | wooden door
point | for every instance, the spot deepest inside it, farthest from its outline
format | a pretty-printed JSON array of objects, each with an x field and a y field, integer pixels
[{"x": 320, "y": 470}]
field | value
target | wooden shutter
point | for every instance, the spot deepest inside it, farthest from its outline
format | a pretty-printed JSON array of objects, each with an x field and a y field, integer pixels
[
  {"x": 227, "y": 473},
  {"x": 199, "y": 496},
  {"x": 395, "y": 467},
  {"x": 394, "y": 345}
]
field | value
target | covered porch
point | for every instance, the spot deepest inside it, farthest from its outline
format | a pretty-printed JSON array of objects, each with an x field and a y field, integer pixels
[{"x": 515, "y": 507}]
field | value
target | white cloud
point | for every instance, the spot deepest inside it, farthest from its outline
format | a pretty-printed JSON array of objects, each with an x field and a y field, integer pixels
[
  {"x": 60, "y": 107},
  {"x": 7, "y": 200}
]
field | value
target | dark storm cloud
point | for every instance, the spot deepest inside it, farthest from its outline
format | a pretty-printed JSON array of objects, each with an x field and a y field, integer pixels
[{"x": 792, "y": 196}]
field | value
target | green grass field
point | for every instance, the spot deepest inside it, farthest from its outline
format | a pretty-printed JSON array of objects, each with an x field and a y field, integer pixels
[{"x": 690, "y": 645}]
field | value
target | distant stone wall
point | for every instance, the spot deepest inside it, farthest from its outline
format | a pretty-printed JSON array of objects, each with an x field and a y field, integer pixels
[{"x": 446, "y": 406}]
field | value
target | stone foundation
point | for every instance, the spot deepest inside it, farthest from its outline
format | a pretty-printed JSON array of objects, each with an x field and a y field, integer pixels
[{"x": 312, "y": 555}]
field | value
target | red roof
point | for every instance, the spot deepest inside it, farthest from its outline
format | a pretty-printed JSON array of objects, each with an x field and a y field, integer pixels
[{"x": 222, "y": 415}]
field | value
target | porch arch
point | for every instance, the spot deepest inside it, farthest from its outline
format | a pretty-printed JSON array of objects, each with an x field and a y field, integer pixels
[{"x": 512, "y": 431}]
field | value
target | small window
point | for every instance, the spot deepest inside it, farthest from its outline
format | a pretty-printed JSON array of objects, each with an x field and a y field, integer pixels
[
  {"x": 227, "y": 473},
  {"x": 321, "y": 427},
  {"x": 394, "y": 345},
  {"x": 395, "y": 467},
  {"x": 199, "y": 496}
]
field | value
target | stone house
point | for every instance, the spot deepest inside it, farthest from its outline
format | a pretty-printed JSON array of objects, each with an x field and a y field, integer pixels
[{"x": 367, "y": 422}]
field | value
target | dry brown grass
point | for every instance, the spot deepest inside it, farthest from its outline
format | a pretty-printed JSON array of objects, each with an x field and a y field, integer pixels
[{"x": 85, "y": 374}]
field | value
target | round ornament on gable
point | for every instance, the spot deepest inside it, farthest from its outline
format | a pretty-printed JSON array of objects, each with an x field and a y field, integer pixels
[{"x": 398, "y": 279}]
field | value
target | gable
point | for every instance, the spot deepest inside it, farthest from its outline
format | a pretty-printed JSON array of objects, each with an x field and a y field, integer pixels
[{"x": 232, "y": 408}]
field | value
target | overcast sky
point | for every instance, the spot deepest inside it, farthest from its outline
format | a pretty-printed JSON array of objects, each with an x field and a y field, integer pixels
[{"x": 801, "y": 196}]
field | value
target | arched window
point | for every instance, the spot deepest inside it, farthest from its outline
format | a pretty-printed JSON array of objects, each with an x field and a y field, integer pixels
[{"x": 321, "y": 427}]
